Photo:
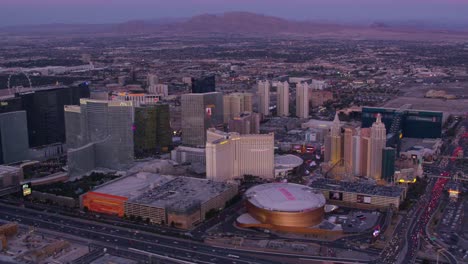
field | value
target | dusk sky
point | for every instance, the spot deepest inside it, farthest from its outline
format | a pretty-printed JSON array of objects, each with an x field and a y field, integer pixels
[{"x": 13, "y": 12}]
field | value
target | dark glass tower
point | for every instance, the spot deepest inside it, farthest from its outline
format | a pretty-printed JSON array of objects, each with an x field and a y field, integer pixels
[
  {"x": 388, "y": 164},
  {"x": 205, "y": 84},
  {"x": 45, "y": 112},
  {"x": 152, "y": 131}
]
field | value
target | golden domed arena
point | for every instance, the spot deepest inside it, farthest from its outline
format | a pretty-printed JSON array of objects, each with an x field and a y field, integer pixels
[{"x": 283, "y": 206}]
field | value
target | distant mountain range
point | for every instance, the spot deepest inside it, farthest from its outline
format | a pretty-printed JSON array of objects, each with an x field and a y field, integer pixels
[{"x": 248, "y": 24}]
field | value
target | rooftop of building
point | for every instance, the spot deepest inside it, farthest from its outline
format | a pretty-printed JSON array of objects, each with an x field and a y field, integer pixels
[
  {"x": 133, "y": 185},
  {"x": 357, "y": 187},
  {"x": 405, "y": 107},
  {"x": 13, "y": 113},
  {"x": 110, "y": 103},
  {"x": 200, "y": 94},
  {"x": 190, "y": 149},
  {"x": 243, "y": 93},
  {"x": 10, "y": 93},
  {"x": 181, "y": 194},
  {"x": 285, "y": 197},
  {"x": 224, "y": 137},
  {"x": 8, "y": 169},
  {"x": 408, "y": 144},
  {"x": 289, "y": 161},
  {"x": 72, "y": 108},
  {"x": 316, "y": 123}
]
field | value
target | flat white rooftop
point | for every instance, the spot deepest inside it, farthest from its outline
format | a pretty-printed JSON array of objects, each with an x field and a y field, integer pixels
[
  {"x": 285, "y": 197},
  {"x": 289, "y": 160},
  {"x": 8, "y": 169},
  {"x": 133, "y": 185}
]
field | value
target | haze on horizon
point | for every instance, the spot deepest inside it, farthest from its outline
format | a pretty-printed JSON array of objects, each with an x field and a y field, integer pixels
[{"x": 20, "y": 12}]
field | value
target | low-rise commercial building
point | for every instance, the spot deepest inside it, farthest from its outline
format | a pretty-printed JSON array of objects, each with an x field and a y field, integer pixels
[
  {"x": 181, "y": 202},
  {"x": 360, "y": 195}
]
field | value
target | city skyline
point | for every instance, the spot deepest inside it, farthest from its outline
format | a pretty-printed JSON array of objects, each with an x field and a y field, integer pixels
[
  {"x": 234, "y": 132},
  {"x": 24, "y": 12}
]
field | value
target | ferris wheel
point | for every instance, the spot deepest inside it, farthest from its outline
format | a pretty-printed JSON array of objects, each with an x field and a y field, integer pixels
[{"x": 17, "y": 88}]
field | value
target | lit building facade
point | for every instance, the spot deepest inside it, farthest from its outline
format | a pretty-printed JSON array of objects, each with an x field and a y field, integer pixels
[
  {"x": 361, "y": 195},
  {"x": 230, "y": 156},
  {"x": 282, "y": 99},
  {"x": 137, "y": 99},
  {"x": 181, "y": 202},
  {"x": 356, "y": 160},
  {"x": 365, "y": 150},
  {"x": 245, "y": 123},
  {"x": 348, "y": 149},
  {"x": 264, "y": 95},
  {"x": 377, "y": 144},
  {"x": 200, "y": 111},
  {"x": 327, "y": 149},
  {"x": 335, "y": 136},
  {"x": 235, "y": 104},
  {"x": 302, "y": 100},
  {"x": 285, "y": 207}
]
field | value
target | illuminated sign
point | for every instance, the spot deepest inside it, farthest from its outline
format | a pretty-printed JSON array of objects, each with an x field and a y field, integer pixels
[
  {"x": 208, "y": 111},
  {"x": 453, "y": 193},
  {"x": 407, "y": 181},
  {"x": 363, "y": 199},
  {"x": 26, "y": 189}
]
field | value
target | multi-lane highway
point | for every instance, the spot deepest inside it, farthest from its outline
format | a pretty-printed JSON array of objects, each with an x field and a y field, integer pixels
[{"x": 123, "y": 238}]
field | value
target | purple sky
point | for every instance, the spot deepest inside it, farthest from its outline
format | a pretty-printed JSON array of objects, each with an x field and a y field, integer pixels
[{"x": 102, "y": 11}]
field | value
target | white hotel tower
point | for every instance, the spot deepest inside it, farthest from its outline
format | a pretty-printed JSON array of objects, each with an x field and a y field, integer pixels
[{"x": 378, "y": 139}]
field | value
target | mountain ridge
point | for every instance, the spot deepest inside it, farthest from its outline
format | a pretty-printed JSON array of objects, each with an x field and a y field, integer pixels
[{"x": 244, "y": 23}]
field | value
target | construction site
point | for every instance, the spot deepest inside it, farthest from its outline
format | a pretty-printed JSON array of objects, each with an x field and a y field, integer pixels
[{"x": 27, "y": 245}]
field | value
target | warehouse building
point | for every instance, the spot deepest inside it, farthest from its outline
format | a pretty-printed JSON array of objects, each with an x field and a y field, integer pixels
[{"x": 182, "y": 202}]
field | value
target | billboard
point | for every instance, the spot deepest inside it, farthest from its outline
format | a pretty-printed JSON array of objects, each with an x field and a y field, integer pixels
[
  {"x": 26, "y": 189},
  {"x": 363, "y": 199},
  {"x": 338, "y": 196},
  {"x": 208, "y": 111}
]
